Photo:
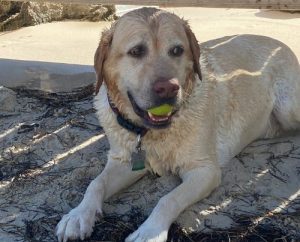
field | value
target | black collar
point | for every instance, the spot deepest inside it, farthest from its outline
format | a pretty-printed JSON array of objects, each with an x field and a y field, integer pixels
[{"x": 125, "y": 123}]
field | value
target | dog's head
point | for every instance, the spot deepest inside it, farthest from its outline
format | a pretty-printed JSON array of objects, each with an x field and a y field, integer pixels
[{"x": 149, "y": 57}]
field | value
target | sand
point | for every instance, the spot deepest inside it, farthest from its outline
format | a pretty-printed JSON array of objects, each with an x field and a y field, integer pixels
[
  {"x": 49, "y": 151},
  {"x": 75, "y": 42}
]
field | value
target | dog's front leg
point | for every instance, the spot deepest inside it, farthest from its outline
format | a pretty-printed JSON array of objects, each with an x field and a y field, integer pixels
[
  {"x": 79, "y": 222},
  {"x": 196, "y": 185}
]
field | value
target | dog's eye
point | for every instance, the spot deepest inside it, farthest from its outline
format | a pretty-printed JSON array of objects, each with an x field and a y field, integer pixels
[
  {"x": 176, "y": 51},
  {"x": 138, "y": 51}
]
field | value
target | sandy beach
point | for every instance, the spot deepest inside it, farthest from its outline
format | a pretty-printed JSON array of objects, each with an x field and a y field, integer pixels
[
  {"x": 50, "y": 151},
  {"x": 75, "y": 42}
]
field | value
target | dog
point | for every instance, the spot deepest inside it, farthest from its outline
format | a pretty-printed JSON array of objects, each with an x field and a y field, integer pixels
[{"x": 223, "y": 95}]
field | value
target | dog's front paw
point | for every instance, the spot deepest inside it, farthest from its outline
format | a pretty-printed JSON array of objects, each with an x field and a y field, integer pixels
[
  {"x": 148, "y": 232},
  {"x": 78, "y": 223}
]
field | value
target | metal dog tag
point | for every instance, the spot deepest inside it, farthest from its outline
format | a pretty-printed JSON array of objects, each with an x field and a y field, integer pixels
[
  {"x": 138, "y": 156},
  {"x": 138, "y": 160}
]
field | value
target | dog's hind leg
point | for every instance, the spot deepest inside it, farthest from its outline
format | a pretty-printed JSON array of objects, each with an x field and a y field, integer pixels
[
  {"x": 79, "y": 222},
  {"x": 287, "y": 98}
]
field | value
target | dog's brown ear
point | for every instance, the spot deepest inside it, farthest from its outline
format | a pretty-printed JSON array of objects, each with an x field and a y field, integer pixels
[
  {"x": 195, "y": 49},
  {"x": 101, "y": 55}
]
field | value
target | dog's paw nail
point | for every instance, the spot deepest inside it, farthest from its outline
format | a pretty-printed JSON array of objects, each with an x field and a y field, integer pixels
[{"x": 76, "y": 224}]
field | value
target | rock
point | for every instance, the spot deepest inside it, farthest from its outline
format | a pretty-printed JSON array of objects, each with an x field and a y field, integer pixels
[
  {"x": 14, "y": 15},
  {"x": 88, "y": 12},
  {"x": 8, "y": 10},
  {"x": 7, "y": 99},
  {"x": 291, "y": 11},
  {"x": 5, "y": 7},
  {"x": 55, "y": 81}
]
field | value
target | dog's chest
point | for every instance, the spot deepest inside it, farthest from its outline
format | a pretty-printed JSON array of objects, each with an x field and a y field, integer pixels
[
  {"x": 160, "y": 156},
  {"x": 167, "y": 151}
]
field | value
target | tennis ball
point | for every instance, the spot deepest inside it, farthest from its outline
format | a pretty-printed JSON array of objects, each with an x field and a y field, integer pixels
[{"x": 161, "y": 110}]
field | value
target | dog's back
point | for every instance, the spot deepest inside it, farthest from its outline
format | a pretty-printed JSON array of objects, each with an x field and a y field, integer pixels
[{"x": 258, "y": 89}]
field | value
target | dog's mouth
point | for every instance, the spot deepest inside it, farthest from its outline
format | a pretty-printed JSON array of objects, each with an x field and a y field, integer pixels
[{"x": 150, "y": 119}]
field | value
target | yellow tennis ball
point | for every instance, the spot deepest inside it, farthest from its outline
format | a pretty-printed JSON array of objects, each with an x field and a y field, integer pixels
[{"x": 161, "y": 110}]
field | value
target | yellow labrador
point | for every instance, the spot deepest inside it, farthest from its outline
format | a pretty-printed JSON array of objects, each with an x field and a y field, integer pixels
[{"x": 231, "y": 92}]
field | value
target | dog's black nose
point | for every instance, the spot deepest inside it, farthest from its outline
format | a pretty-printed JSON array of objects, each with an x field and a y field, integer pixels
[{"x": 166, "y": 88}]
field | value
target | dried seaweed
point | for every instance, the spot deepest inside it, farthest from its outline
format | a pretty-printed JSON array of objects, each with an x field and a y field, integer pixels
[{"x": 46, "y": 165}]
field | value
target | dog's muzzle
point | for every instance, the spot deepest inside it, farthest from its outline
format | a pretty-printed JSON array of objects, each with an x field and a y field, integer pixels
[{"x": 151, "y": 120}]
